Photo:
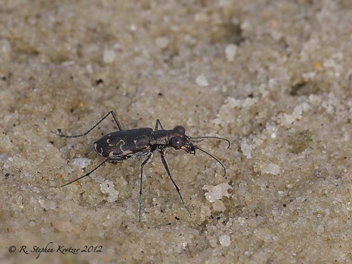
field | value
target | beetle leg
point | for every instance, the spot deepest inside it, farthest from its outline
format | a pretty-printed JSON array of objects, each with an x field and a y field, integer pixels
[
  {"x": 157, "y": 124},
  {"x": 150, "y": 155},
  {"x": 168, "y": 173},
  {"x": 85, "y": 175},
  {"x": 81, "y": 135}
]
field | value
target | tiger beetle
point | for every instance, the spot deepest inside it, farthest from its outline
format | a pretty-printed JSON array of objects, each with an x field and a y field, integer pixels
[{"x": 142, "y": 142}]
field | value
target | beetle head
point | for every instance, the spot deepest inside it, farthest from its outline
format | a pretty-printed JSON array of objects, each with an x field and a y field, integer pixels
[{"x": 179, "y": 140}]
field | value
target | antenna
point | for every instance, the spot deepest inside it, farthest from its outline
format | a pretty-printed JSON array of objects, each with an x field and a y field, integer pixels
[
  {"x": 212, "y": 137},
  {"x": 222, "y": 165}
]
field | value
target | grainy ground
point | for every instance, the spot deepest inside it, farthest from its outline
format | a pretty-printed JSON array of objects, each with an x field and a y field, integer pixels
[{"x": 274, "y": 77}]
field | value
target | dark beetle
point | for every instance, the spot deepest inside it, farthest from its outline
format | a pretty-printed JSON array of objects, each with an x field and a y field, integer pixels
[{"x": 126, "y": 144}]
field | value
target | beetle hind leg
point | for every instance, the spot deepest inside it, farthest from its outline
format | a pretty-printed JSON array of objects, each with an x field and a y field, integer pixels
[{"x": 85, "y": 175}]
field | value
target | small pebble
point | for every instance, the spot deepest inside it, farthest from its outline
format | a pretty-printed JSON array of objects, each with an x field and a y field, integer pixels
[
  {"x": 109, "y": 56},
  {"x": 81, "y": 162},
  {"x": 217, "y": 192},
  {"x": 162, "y": 42},
  {"x": 107, "y": 187},
  {"x": 219, "y": 206},
  {"x": 230, "y": 52},
  {"x": 225, "y": 240},
  {"x": 202, "y": 81}
]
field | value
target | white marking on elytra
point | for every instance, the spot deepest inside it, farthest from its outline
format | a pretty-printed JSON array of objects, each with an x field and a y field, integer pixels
[
  {"x": 95, "y": 147},
  {"x": 121, "y": 152},
  {"x": 108, "y": 140},
  {"x": 126, "y": 152},
  {"x": 101, "y": 151},
  {"x": 123, "y": 143}
]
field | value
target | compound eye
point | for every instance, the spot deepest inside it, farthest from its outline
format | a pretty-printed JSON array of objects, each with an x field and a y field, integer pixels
[
  {"x": 176, "y": 142},
  {"x": 180, "y": 129}
]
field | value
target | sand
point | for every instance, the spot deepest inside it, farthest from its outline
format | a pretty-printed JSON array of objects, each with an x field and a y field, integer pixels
[{"x": 273, "y": 77}]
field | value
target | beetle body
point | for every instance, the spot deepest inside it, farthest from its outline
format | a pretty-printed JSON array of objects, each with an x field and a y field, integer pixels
[{"x": 125, "y": 144}]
